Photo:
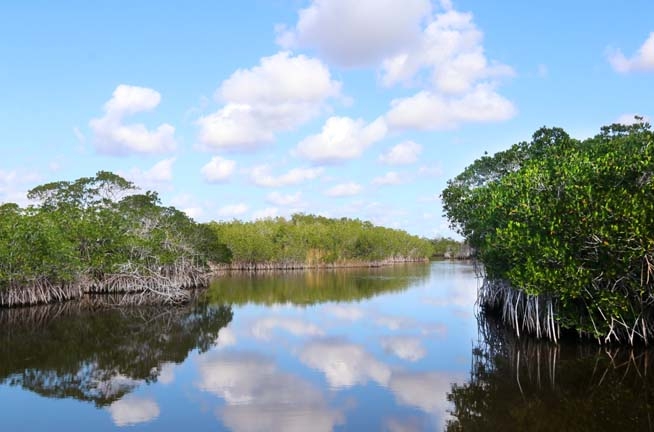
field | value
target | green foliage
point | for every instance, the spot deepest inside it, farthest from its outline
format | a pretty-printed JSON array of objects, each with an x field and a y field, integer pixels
[
  {"x": 316, "y": 240},
  {"x": 568, "y": 219},
  {"x": 97, "y": 234}
]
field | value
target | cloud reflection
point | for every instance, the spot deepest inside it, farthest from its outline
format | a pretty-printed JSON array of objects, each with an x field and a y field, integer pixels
[
  {"x": 345, "y": 312},
  {"x": 405, "y": 347},
  {"x": 263, "y": 328},
  {"x": 426, "y": 391},
  {"x": 259, "y": 397},
  {"x": 132, "y": 410},
  {"x": 344, "y": 364}
]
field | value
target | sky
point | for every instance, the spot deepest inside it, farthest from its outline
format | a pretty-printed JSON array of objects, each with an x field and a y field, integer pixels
[{"x": 261, "y": 108}]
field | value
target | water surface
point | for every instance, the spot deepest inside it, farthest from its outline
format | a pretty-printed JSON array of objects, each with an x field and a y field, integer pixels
[{"x": 392, "y": 349}]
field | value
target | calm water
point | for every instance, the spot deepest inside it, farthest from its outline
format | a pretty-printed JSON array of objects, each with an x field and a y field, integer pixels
[{"x": 393, "y": 349}]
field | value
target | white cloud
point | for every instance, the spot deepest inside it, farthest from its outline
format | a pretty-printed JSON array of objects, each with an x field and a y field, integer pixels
[
  {"x": 282, "y": 200},
  {"x": 431, "y": 111},
  {"x": 404, "y": 153},
  {"x": 266, "y": 213},
  {"x": 160, "y": 172},
  {"x": 261, "y": 176},
  {"x": 344, "y": 364},
  {"x": 357, "y": 33},
  {"x": 279, "y": 94},
  {"x": 218, "y": 169},
  {"x": 390, "y": 178},
  {"x": 112, "y": 136},
  {"x": 404, "y": 347},
  {"x": 233, "y": 210},
  {"x": 133, "y": 410},
  {"x": 450, "y": 53},
  {"x": 342, "y": 138},
  {"x": 264, "y": 327},
  {"x": 642, "y": 60},
  {"x": 344, "y": 189}
]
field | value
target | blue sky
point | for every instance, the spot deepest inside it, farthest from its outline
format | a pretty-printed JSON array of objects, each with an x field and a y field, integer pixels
[{"x": 258, "y": 108}]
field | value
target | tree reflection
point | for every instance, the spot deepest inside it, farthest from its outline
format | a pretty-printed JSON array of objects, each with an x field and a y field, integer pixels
[
  {"x": 314, "y": 286},
  {"x": 530, "y": 385},
  {"x": 100, "y": 354}
]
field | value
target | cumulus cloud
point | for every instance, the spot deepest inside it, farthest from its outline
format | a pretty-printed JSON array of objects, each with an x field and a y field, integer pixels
[
  {"x": 261, "y": 176},
  {"x": 342, "y": 138},
  {"x": 233, "y": 210},
  {"x": 641, "y": 61},
  {"x": 404, "y": 153},
  {"x": 428, "y": 110},
  {"x": 160, "y": 172},
  {"x": 368, "y": 30},
  {"x": 281, "y": 93},
  {"x": 284, "y": 200},
  {"x": 218, "y": 169},
  {"x": 112, "y": 136},
  {"x": 133, "y": 410},
  {"x": 390, "y": 178},
  {"x": 458, "y": 83},
  {"x": 450, "y": 54},
  {"x": 344, "y": 189}
]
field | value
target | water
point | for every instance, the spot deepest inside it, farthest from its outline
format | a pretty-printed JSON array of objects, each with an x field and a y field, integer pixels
[{"x": 392, "y": 349}]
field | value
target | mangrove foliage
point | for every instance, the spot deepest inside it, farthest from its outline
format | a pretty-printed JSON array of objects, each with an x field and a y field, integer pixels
[
  {"x": 97, "y": 235},
  {"x": 565, "y": 232},
  {"x": 314, "y": 241}
]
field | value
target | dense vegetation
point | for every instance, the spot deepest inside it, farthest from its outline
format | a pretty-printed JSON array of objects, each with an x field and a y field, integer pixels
[
  {"x": 96, "y": 235},
  {"x": 565, "y": 231},
  {"x": 315, "y": 241}
]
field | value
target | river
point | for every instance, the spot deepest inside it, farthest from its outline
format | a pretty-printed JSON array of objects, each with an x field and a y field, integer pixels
[{"x": 389, "y": 349}]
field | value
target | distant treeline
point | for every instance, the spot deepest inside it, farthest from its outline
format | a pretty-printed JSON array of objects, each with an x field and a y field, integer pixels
[
  {"x": 315, "y": 241},
  {"x": 98, "y": 235}
]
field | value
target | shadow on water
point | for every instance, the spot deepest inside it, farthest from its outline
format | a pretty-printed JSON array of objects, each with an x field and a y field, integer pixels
[
  {"x": 76, "y": 350},
  {"x": 308, "y": 287},
  {"x": 530, "y": 385}
]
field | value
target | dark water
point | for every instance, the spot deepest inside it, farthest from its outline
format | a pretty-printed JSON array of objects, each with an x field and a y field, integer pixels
[{"x": 393, "y": 349}]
